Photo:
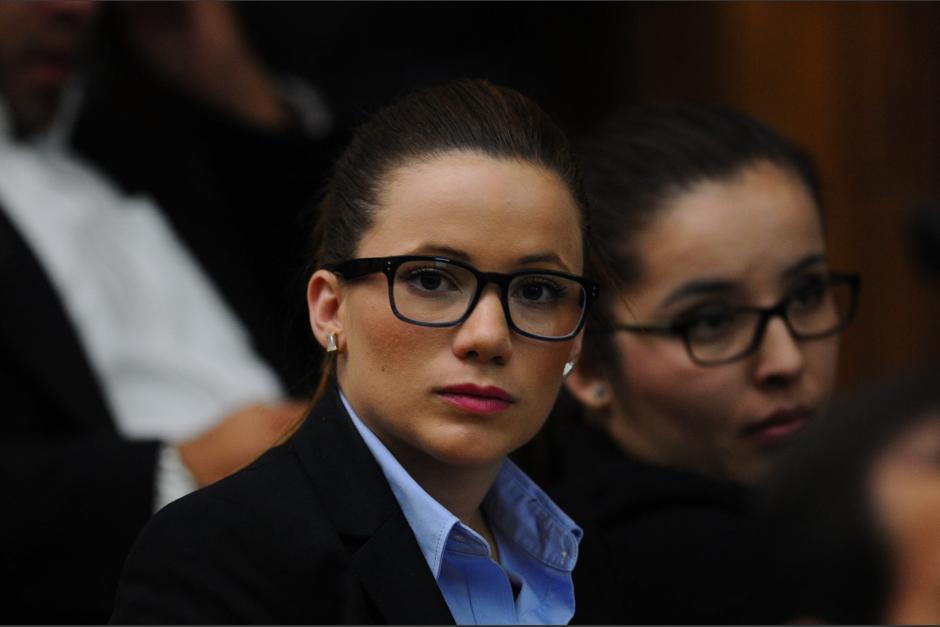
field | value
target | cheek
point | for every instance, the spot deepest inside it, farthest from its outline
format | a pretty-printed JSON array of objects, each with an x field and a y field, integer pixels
[
  {"x": 539, "y": 371},
  {"x": 822, "y": 360},
  {"x": 540, "y": 366},
  {"x": 664, "y": 381},
  {"x": 378, "y": 344}
]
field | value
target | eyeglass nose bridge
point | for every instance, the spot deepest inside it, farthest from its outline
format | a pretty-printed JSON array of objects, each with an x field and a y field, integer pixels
[
  {"x": 502, "y": 281},
  {"x": 766, "y": 315}
]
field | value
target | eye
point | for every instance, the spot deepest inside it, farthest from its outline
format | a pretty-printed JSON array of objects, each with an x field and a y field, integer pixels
[
  {"x": 430, "y": 280},
  {"x": 537, "y": 290},
  {"x": 711, "y": 323},
  {"x": 809, "y": 295}
]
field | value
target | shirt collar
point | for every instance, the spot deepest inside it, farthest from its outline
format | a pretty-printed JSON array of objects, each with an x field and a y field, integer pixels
[
  {"x": 518, "y": 510},
  {"x": 430, "y": 521},
  {"x": 527, "y": 517}
]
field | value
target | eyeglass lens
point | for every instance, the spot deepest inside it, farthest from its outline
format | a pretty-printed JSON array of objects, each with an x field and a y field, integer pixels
[
  {"x": 437, "y": 292},
  {"x": 814, "y": 311}
]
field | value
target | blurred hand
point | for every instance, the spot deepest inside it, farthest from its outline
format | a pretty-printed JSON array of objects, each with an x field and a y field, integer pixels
[
  {"x": 200, "y": 46},
  {"x": 238, "y": 439}
]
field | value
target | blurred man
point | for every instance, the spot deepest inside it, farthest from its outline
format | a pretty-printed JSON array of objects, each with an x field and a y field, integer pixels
[{"x": 128, "y": 376}]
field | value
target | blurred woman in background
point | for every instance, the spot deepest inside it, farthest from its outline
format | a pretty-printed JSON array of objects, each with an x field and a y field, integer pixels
[
  {"x": 854, "y": 511},
  {"x": 714, "y": 346}
]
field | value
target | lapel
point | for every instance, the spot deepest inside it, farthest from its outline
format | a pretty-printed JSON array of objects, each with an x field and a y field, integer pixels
[
  {"x": 34, "y": 326},
  {"x": 385, "y": 555}
]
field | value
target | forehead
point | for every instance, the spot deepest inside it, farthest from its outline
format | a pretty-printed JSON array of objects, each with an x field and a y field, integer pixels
[
  {"x": 495, "y": 210},
  {"x": 750, "y": 227}
]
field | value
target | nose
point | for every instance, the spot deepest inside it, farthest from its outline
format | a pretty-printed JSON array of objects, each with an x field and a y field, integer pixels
[
  {"x": 779, "y": 357},
  {"x": 485, "y": 336}
]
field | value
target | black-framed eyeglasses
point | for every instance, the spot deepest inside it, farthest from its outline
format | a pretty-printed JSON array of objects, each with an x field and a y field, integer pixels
[
  {"x": 439, "y": 292},
  {"x": 715, "y": 335}
]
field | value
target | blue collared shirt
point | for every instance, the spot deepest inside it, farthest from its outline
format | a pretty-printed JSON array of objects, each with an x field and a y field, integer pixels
[{"x": 537, "y": 542}]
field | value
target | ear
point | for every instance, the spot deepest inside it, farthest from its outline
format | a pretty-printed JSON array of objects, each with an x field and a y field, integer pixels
[
  {"x": 591, "y": 387},
  {"x": 576, "y": 347},
  {"x": 324, "y": 298}
]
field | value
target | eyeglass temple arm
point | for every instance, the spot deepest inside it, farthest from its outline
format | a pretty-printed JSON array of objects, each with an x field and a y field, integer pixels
[{"x": 356, "y": 268}]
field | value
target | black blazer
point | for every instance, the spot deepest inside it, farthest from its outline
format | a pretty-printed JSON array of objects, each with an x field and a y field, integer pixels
[
  {"x": 310, "y": 533},
  {"x": 684, "y": 547}
]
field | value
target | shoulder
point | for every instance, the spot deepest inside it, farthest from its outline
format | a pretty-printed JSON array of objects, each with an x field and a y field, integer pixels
[
  {"x": 656, "y": 510},
  {"x": 272, "y": 493},
  {"x": 241, "y": 550},
  {"x": 624, "y": 490},
  {"x": 685, "y": 547}
]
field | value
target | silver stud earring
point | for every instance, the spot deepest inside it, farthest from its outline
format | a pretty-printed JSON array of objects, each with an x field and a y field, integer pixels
[
  {"x": 331, "y": 343},
  {"x": 600, "y": 391},
  {"x": 569, "y": 366}
]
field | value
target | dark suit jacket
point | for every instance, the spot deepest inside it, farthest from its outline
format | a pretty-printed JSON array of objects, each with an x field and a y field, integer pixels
[
  {"x": 684, "y": 546},
  {"x": 310, "y": 533}
]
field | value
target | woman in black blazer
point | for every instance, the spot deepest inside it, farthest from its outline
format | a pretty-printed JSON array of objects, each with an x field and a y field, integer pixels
[
  {"x": 714, "y": 345},
  {"x": 449, "y": 301}
]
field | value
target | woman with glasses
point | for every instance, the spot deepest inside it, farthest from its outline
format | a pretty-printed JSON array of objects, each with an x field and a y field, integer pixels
[
  {"x": 715, "y": 345},
  {"x": 853, "y": 510},
  {"x": 449, "y": 299}
]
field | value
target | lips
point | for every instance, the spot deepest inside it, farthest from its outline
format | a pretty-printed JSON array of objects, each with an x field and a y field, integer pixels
[
  {"x": 779, "y": 427},
  {"x": 50, "y": 68},
  {"x": 477, "y": 399}
]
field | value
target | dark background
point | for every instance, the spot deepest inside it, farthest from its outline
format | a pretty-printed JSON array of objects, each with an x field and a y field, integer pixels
[{"x": 855, "y": 83}]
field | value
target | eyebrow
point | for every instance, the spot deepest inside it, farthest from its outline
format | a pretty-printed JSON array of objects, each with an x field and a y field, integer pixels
[
  {"x": 546, "y": 257},
  {"x": 698, "y": 287},
  {"x": 440, "y": 250},
  {"x": 450, "y": 252},
  {"x": 804, "y": 263},
  {"x": 722, "y": 286}
]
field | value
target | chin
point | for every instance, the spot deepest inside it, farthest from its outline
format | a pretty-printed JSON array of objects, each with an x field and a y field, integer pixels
[
  {"x": 471, "y": 451},
  {"x": 750, "y": 471}
]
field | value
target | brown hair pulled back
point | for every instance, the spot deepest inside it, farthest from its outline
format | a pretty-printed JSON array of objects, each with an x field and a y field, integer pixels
[
  {"x": 636, "y": 163},
  {"x": 463, "y": 115}
]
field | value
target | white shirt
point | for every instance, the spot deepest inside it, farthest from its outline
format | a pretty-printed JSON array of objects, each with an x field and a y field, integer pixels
[{"x": 171, "y": 357}]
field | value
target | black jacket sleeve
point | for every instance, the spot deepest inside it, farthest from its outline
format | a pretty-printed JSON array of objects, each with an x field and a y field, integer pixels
[
  {"x": 72, "y": 508},
  {"x": 253, "y": 548}
]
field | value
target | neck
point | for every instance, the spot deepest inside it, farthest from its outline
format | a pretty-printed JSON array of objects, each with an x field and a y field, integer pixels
[
  {"x": 459, "y": 489},
  {"x": 631, "y": 440}
]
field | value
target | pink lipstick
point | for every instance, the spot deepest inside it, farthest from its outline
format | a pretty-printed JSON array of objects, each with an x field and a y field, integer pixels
[
  {"x": 778, "y": 427},
  {"x": 477, "y": 399}
]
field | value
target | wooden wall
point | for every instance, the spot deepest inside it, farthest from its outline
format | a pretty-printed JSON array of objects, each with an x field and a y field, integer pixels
[{"x": 858, "y": 84}]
